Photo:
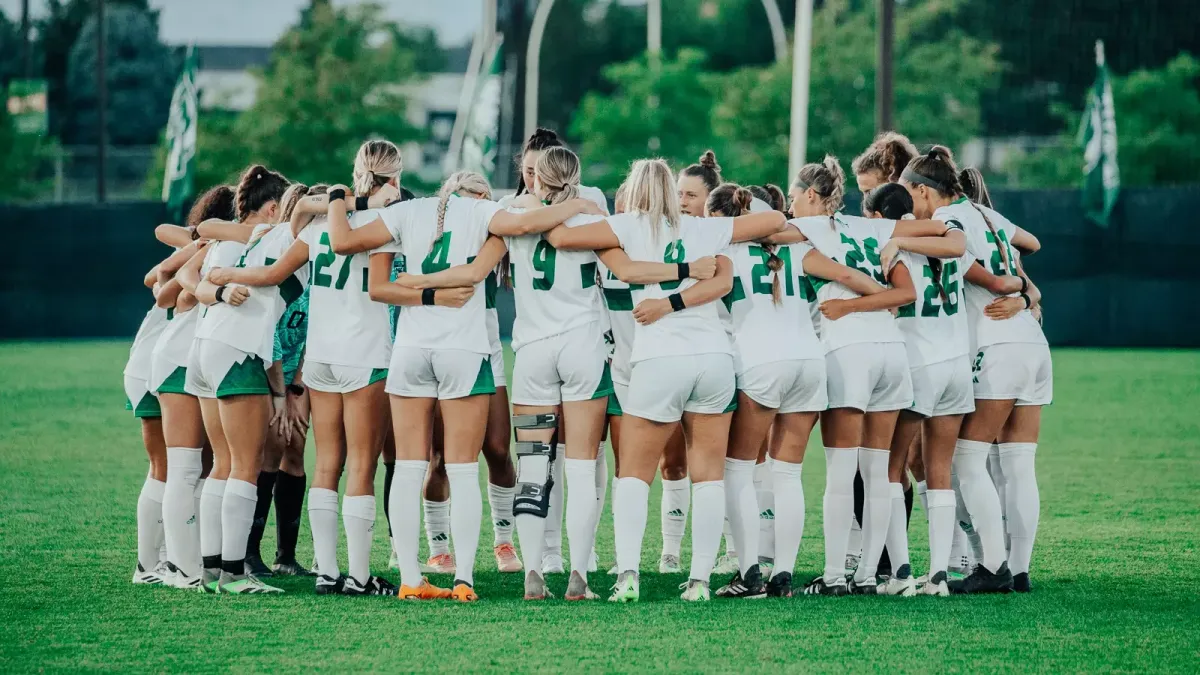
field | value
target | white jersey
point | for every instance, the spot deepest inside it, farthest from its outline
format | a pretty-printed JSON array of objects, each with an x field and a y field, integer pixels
[
  {"x": 935, "y": 325},
  {"x": 174, "y": 345},
  {"x": 141, "y": 354},
  {"x": 413, "y": 224},
  {"x": 220, "y": 254},
  {"x": 618, "y": 300},
  {"x": 984, "y": 246},
  {"x": 592, "y": 194},
  {"x": 694, "y": 330},
  {"x": 555, "y": 291},
  {"x": 765, "y": 332},
  {"x": 345, "y": 326},
  {"x": 250, "y": 326},
  {"x": 855, "y": 242}
]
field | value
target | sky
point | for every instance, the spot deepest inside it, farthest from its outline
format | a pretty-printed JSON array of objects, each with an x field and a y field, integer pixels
[{"x": 260, "y": 22}]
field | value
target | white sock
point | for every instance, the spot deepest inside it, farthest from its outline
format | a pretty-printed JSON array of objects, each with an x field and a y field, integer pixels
[
  {"x": 877, "y": 509},
  {"x": 941, "y": 529},
  {"x": 211, "y": 539},
  {"x": 358, "y": 517},
  {"x": 838, "y": 504},
  {"x": 149, "y": 522},
  {"x": 727, "y": 535},
  {"x": 999, "y": 479},
  {"x": 601, "y": 492},
  {"x": 500, "y": 502},
  {"x": 581, "y": 511},
  {"x": 179, "y": 509},
  {"x": 741, "y": 509},
  {"x": 982, "y": 502},
  {"x": 922, "y": 490},
  {"x": 466, "y": 517},
  {"x": 897, "y": 533},
  {"x": 323, "y": 520},
  {"x": 631, "y": 501},
  {"x": 1024, "y": 501},
  {"x": 531, "y": 529},
  {"x": 437, "y": 526},
  {"x": 612, "y": 488},
  {"x": 196, "y": 494},
  {"x": 967, "y": 550},
  {"x": 237, "y": 517},
  {"x": 554, "y": 520},
  {"x": 708, "y": 513},
  {"x": 676, "y": 498},
  {"x": 765, "y": 496},
  {"x": 789, "y": 513},
  {"x": 854, "y": 542},
  {"x": 404, "y": 503}
]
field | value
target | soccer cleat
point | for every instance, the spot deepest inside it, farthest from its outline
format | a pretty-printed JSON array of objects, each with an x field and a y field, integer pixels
[
  {"x": 1021, "y": 583},
  {"x": 780, "y": 585},
  {"x": 463, "y": 592},
  {"x": 750, "y": 587},
  {"x": 329, "y": 586},
  {"x": 767, "y": 565},
  {"x": 902, "y": 584},
  {"x": 439, "y": 564},
  {"x": 535, "y": 586},
  {"x": 506, "y": 558},
  {"x": 210, "y": 580},
  {"x": 291, "y": 568},
  {"x": 255, "y": 567},
  {"x": 935, "y": 585},
  {"x": 820, "y": 586},
  {"x": 577, "y": 589},
  {"x": 669, "y": 564},
  {"x": 552, "y": 563},
  {"x": 865, "y": 587},
  {"x": 695, "y": 590},
  {"x": 177, "y": 578},
  {"x": 983, "y": 580},
  {"x": 726, "y": 564},
  {"x": 852, "y": 561},
  {"x": 155, "y": 577},
  {"x": 374, "y": 586},
  {"x": 425, "y": 591},
  {"x": 627, "y": 588},
  {"x": 243, "y": 584}
]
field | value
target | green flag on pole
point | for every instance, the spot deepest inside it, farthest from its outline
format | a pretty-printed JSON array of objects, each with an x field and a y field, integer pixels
[
  {"x": 181, "y": 140},
  {"x": 1098, "y": 136},
  {"x": 481, "y": 141}
]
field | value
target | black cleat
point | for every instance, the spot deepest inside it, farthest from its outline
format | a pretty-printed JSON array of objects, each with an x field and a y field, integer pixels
[
  {"x": 256, "y": 568},
  {"x": 374, "y": 586},
  {"x": 819, "y": 586},
  {"x": 292, "y": 568},
  {"x": 1021, "y": 583},
  {"x": 329, "y": 586},
  {"x": 870, "y": 586},
  {"x": 751, "y": 587},
  {"x": 984, "y": 581},
  {"x": 780, "y": 585}
]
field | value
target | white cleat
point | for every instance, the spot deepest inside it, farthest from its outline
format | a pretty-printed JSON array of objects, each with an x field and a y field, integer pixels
[
  {"x": 669, "y": 564},
  {"x": 936, "y": 586},
  {"x": 155, "y": 577},
  {"x": 695, "y": 591},
  {"x": 177, "y": 578},
  {"x": 726, "y": 564},
  {"x": 552, "y": 563},
  {"x": 905, "y": 588}
]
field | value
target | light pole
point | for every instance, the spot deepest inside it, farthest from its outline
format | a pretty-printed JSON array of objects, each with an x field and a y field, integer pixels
[
  {"x": 883, "y": 82},
  {"x": 101, "y": 104},
  {"x": 801, "y": 62}
]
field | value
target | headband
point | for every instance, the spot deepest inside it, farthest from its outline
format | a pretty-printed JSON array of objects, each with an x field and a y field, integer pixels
[
  {"x": 801, "y": 184},
  {"x": 914, "y": 177}
]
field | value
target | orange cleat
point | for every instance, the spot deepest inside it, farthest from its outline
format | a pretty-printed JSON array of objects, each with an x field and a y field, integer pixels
[
  {"x": 439, "y": 564},
  {"x": 506, "y": 558},
  {"x": 463, "y": 593},
  {"x": 426, "y": 591}
]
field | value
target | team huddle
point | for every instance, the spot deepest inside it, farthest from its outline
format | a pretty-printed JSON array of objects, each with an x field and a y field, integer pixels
[{"x": 703, "y": 329}]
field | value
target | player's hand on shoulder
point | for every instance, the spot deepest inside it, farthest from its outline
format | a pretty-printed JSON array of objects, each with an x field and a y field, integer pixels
[
  {"x": 651, "y": 310},
  {"x": 236, "y": 295},
  {"x": 704, "y": 268},
  {"x": 453, "y": 297}
]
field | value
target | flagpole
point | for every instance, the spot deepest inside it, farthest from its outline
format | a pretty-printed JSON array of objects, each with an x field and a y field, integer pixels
[
  {"x": 101, "y": 104},
  {"x": 801, "y": 61}
]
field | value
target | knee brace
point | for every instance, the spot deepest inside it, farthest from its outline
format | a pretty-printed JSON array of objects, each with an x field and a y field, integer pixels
[{"x": 535, "y": 464}]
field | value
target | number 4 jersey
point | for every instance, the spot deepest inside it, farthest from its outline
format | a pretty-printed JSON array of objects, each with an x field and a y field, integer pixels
[{"x": 855, "y": 242}]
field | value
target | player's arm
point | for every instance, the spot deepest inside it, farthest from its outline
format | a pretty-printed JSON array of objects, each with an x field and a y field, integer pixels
[
  {"x": 756, "y": 226},
  {"x": 174, "y": 235},
  {"x": 151, "y": 278},
  {"x": 265, "y": 275},
  {"x": 382, "y": 289},
  {"x": 633, "y": 272},
  {"x": 489, "y": 257},
  {"x": 1003, "y": 284},
  {"x": 901, "y": 293},
  {"x": 590, "y": 237},
  {"x": 819, "y": 265},
  {"x": 223, "y": 230},
  {"x": 650, "y": 310},
  {"x": 1026, "y": 242},
  {"x": 535, "y": 221}
]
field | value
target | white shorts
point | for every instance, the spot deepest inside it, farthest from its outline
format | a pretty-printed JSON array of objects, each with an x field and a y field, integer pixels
[
  {"x": 870, "y": 376},
  {"x": 943, "y": 388},
  {"x": 571, "y": 366},
  {"x": 787, "y": 386},
  {"x": 1014, "y": 370},
  {"x": 663, "y": 388},
  {"x": 217, "y": 370},
  {"x": 493, "y": 329},
  {"x": 439, "y": 373},
  {"x": 334, "y": 379}
]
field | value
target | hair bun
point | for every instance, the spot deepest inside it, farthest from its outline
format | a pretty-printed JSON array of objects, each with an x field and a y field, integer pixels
[
  {"x": 940, "y": 152},
  {"x": 543, "y": 133},
  {"x": 709, "y": 160}
]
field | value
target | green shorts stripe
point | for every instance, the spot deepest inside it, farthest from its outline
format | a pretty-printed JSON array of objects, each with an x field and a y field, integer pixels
[
  {"x": 174, "y": 382},
  {"x": 148, "y": 407},
  {"x": 614, "y": 405},
  {"x": 732, "y": 403},
  {"x": 605, "y": 388},
  {"x": 245, "y": 378},
  {"x": 377, "y": 374},
  {"x": 485, "y": 382}
]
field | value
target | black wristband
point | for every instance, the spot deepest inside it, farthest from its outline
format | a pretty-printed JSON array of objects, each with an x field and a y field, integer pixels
[
  {"x": 676, "y": 301},
  {"x": 195, "y": 233},
  {"x": 1028, "y": 301},
  {"x": 427, "y": 296},
  {"x": 337, "y": 194},
  {"x": 360, "y": 204},
  {"x": 295, "y": 389},
  {"x": 1024, "y": 285},
  {"x": 221, "y": 294},
  {"x": 685, "y": 270}
]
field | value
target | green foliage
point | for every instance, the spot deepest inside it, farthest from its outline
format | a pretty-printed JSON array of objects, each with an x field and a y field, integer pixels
[
  {"x": 10, "y": 50},
  {"x": 659, "y": 109},
  {"x": 23, "y": 157},
  {"x": 1158, "y": 132},
  {"x": 141, "y": 74}
]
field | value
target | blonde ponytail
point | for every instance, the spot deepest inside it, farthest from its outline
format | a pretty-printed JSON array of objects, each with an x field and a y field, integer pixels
[
  {"x": 463, "y": 181},
  {"x": 376, "y": 163}
]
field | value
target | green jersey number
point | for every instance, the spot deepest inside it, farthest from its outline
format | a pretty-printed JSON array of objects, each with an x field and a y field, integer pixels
[
  {"x": 760, "y": 274},
  {"x": 865, "y": 259},
  {"x": 998, "y": 267},
  {"x": 544, "y": 256},
  {"x": 931, "y": 305},
  {"x": 326, "y": 260},
  {"x": 673, "y": 253},
  {"x": 438, "y": 258}
]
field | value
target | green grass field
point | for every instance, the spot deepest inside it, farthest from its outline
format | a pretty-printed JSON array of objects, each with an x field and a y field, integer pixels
[{"x": 1116, "y": 570}]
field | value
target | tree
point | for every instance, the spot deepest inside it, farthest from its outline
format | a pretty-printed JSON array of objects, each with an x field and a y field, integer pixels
[
  {"x": 1158, "y": 132},
  {"x": 10, "y": 51},
  {"x": 657, "y": 110},
  {"x": 20, "y": 164}
]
